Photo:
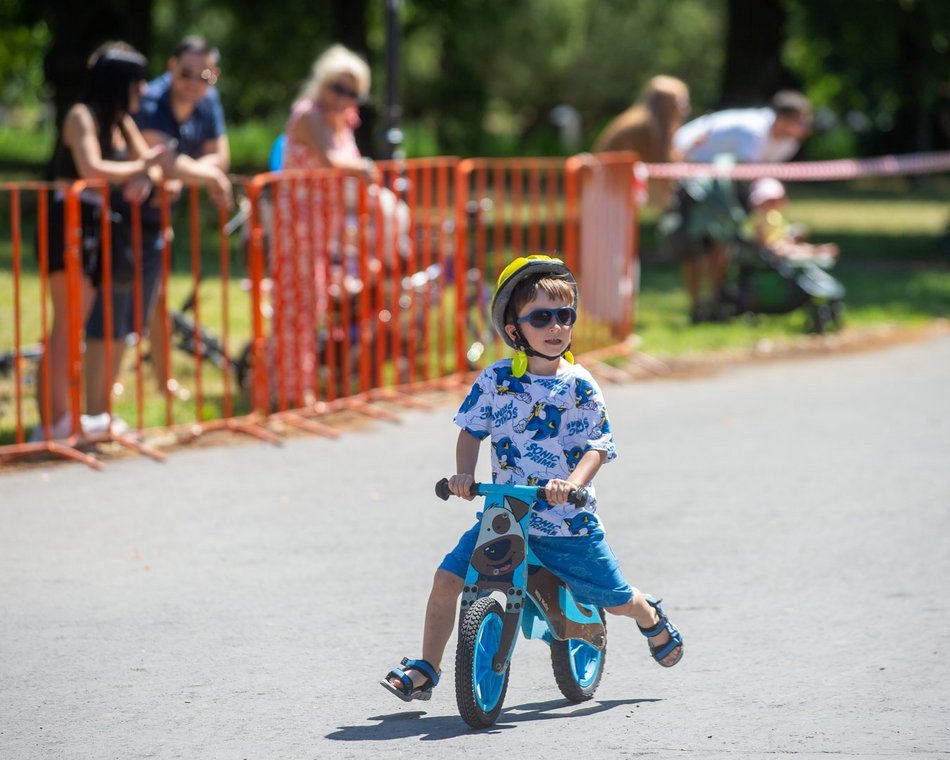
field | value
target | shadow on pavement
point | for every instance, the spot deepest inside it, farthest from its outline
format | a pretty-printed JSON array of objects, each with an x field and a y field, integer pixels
[{"x": 405, "y": 725}]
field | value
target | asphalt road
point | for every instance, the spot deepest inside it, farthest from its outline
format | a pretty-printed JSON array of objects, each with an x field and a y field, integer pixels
[{"x": 243, "y": 601}]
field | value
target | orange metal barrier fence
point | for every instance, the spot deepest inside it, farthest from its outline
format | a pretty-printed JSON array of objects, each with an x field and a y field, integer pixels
[
  {"x": 87, "y": 276},
  {"x": 353, "y": 277},
  {"x": 602, "y": 189},
  {"x": 319, "y": 292},
  {"x": 52, "y": 370}
]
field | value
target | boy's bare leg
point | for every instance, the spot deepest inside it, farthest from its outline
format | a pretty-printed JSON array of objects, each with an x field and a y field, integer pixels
[
  {"x": 646, "y": 617},
  {"x": 440, "y": 621}
]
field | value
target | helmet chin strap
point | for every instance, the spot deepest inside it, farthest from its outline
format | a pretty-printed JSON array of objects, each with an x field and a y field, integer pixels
[{"x": 522, "y": 345}]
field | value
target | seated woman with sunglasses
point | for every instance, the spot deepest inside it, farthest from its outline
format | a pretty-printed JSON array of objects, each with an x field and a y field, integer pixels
[
  {"x": 322, "y": 120},
  {"x": 320, "y": 135}
]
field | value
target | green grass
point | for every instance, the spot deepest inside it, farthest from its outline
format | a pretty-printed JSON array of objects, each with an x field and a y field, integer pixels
[
  {"x": 185, "y": 408},
  {"x": 895, "y": 265},
  {"x": 878, "y": 294},
  {"x": 25, "y": 148}
]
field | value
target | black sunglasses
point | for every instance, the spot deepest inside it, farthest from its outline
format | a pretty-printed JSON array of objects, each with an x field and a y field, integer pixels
[
  {"x": 343, "y": 91},
  {"x": 566, "y": 315}
]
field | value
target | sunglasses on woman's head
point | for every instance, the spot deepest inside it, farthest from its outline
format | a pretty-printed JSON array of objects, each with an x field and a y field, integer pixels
[
  {"x": 343, "y": 91},
  {"x": 566, "y": 315}
]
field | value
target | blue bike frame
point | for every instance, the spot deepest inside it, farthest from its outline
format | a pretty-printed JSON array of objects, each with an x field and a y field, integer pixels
[{"x": 536, "y": 601}]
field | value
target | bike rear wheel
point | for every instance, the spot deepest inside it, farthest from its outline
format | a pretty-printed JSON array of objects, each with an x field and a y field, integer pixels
[
  {"x": 479, "y": 690},
  {"x": 578, "y": 666}
]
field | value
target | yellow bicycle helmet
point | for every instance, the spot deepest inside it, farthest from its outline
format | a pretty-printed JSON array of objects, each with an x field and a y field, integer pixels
[{"x": 509, "y": 278}]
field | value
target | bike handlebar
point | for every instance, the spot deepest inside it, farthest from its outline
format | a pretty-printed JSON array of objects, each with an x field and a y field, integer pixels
[{"x": 577, "y": 497}]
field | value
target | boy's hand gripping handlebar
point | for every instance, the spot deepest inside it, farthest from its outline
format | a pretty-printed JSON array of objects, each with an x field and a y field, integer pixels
[{"x": 577, "y": 497}]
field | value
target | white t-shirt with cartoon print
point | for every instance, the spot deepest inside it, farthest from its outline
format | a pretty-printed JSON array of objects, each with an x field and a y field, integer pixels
[{"x": 540, "y": 427}]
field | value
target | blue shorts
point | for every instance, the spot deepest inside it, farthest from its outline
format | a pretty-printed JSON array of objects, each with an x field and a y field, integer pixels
[
  {"x": 123, "y": 297},
  {"x": 585, "y": 563}
]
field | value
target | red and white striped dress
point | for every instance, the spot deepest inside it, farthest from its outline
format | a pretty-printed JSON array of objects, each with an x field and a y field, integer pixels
[{"x": 299, "y": 261}]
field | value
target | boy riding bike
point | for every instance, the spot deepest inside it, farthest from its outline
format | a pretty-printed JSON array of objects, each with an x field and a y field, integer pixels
[{"x": 547, "y": 423}]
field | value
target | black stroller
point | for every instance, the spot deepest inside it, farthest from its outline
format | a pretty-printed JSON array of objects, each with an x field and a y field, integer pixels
[{"x": 757, "y": 280}]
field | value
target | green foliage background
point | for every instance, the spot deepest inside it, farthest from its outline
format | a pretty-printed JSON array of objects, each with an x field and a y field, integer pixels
[{"x": 481, "y": 76}]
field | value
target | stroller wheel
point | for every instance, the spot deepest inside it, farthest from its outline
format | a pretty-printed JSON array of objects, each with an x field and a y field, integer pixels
[
  {"x": 837, "y": 314},
  {"x": 824, "y": 316}
]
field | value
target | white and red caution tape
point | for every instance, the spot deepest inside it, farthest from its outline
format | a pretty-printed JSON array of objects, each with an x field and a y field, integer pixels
[{"x": 814, "y": 171}]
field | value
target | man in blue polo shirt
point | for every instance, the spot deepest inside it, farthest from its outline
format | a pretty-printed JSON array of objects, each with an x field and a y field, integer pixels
[
  {"x": 183, "y": 105},
  {"x": 181, "y": 109}
]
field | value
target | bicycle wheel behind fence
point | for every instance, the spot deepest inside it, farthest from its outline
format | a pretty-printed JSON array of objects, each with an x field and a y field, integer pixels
[
  {"x": 479, "y": 690},
  {"x": 578, "y": 666}
]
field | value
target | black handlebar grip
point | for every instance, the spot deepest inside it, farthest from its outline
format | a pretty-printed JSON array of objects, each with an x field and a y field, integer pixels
[
  {"x": 579, "y": 497},
  {"x": 442, "y": 489}
]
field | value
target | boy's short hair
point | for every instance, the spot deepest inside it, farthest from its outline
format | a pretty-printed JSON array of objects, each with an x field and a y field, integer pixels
[{"x": 556, "y": 286}]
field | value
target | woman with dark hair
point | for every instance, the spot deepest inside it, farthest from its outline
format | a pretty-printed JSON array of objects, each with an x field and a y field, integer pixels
[{"x": 99, "y": 141}]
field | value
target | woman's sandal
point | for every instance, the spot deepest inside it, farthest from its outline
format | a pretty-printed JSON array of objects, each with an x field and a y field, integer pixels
[
  {"x": 660, "y": 652},
  {"x": 407, "y": 692}
]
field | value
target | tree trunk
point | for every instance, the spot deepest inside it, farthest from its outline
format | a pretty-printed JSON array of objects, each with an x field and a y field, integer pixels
[
  {"x": 753, "y": 69},
  {"x": 349, "y": 20},
  {"x": 78, "y": 29},
  {"x": 912, "y": 120}
]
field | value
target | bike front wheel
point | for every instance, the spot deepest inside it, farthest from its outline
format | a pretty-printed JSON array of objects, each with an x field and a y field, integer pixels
[
  {"x": 578, "y": 666},
  {"x": 479, "y": 690}
]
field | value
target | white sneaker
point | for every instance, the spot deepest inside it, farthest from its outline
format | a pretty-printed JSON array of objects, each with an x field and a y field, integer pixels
[
  {"x": 60, "y": 429},
  {"x": 97, "y": 424}
]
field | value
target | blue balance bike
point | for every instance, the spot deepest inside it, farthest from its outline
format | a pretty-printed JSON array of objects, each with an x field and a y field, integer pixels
[{"x": 535, "y": 600}]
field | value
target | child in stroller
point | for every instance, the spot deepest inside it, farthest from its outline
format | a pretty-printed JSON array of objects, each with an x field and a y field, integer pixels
[
  {"x": 758, "y": 278},
  {"x": 770, "y": 228}
]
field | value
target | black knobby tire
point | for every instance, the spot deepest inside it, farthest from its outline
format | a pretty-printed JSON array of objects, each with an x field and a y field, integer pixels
[
  {"x": 578, "y": 666},
  {"x": 479, "y": 691}
]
